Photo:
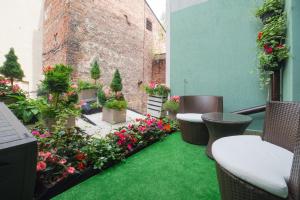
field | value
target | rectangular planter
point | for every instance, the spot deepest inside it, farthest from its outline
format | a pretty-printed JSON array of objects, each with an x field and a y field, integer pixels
[
  {"x": 113, "y": 116},
  {"x": 155, "y": 106},
  {"x": 87, "y": 95},
  {"x": 69, "y": 124}
]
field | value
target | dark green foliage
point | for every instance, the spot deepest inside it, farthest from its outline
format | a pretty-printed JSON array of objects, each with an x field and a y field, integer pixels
[
  {"x": 101, "y": 97},
  {"x": 95, "y": 71},
  {"x": 116, "y": 84},
  {"x": 11, "y": 68},
  {"x": 116, "y": 104},
  {"x": 58, "y": 80}
]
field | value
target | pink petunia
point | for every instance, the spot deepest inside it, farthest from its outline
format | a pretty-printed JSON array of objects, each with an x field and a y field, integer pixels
[
  {"x": 71, "y": 170},
  {"x": 41, "y": 165}
]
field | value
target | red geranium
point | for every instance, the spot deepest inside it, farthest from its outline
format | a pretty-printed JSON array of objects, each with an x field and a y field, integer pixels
[
  {"x": 81, "y": 166},
  {"x": 41, "y": 165},
  {"x": 80, "y": 156},
  {"x": 268, "y": 49}
]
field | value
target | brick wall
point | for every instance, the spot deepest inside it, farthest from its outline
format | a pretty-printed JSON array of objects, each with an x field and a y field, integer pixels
[
  {"x": 77, "y": 32},
  {"x": 159, "y": 68}
]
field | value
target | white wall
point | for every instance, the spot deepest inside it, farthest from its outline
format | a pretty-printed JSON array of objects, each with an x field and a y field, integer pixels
[{"x": 21, "y": 28}]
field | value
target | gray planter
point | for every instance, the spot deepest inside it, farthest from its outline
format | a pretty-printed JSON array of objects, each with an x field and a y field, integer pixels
[
  {"x": 88, "y": 95},
  {"x": 70, "y": 123},
  {"x": 113, "y": 116},
  {"x": 155, "y": 106}
]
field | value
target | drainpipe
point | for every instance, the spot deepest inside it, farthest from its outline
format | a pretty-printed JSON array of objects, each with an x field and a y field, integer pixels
[{"x": 275, "y": 86}]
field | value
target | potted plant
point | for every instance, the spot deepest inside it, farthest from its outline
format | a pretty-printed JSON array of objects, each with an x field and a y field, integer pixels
[
  {"x": 273, "y": 52},
  {"x": 157, "y": 96},
  {"x": 172, "y": 107},
  {"x": 90, "y": 107},
  {"x": 113, "y": 101},
  {"x": 87, "y": 91},
  {"x": 60, "y": 106},
  {"x": 269, "y": 9}
]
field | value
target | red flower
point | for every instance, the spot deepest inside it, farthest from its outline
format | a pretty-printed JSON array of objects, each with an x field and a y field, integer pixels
[
  {"x": 142, "y": 128},
  {"x": 129, "y": 147},
  {"x": 123, "y": 131},
  {"x": 260, "y": 34},
  {"x": 167, "y": 127},
  {"x": 81, "y": 166},
  {"x": 71, "y": 170},
  {"x": 280, "y": 46},
  {"x": 47, "y": 69},
  {"x": 41, "y": 165},
  {"x": 80, "y": 156},
  {"x": 268, "y": 49}
]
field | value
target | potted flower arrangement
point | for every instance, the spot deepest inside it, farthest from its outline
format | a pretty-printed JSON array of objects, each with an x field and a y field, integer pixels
[
  {"x": 60, "y": 106},
  {"x": 157, "y": 96},
  {"x": 113, "y": 101},
  {"x": 271, "y": 40},
  {"x": 172, "y": 106},
  {"x": 11, "y": 69},
  {"x": 88, "y": 91}
]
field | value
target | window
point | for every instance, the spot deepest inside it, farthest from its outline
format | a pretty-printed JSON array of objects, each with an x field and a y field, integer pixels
[{"x": 149, "y": 25}]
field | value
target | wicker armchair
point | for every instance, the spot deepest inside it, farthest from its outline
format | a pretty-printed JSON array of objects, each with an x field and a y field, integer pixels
[
  {"x": 191, "y": 108},
  {"x": 282, "y": 131}
]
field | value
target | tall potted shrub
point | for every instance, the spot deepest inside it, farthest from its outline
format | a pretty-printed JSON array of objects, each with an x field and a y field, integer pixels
[
  {"x": 157, "y": 96},
  {"x": 59, "y": 109},
  {"x": 113, "y": 101}
]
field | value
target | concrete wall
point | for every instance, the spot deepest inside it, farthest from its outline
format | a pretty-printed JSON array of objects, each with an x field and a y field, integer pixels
[
  {"x": 213, "y": 52},
  {"x": 21, "y": 28}
]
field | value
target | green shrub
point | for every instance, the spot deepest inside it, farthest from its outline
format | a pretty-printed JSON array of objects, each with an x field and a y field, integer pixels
[
  {"x": 116, "y": 83},
  {"x": 171, "y": 106},
  {"x": 83, "y": 85},
  {"x": 95, "y": 71},
  {"x": 116, "y": 104}
]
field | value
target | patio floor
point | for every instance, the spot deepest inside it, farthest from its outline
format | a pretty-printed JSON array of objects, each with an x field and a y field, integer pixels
[{"x": 171, "y": 169}]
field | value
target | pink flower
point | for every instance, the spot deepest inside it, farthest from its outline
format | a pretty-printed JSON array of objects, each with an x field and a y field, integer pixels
[
  {"x": 160, "y": 125},
  {"x": 44, "y": 155},
  {"x": 74, "y": 86},
  {"x": 149, "y": 122},
  {"x": 175, "y": 99},
  {"x": 142, "y": 129},
  {"x": 129, "y": 147},
  {"x": 41, "y": 165},
  {"x": 50, "y": 97},
  {"x": 71, "y": 170},
  {"x": 15, "y": 88},
  {"x": 152, "y": 85},
  {"x": 130, "y": 126},
  {"x": 35, "y": 133},
  {"x": 62, "y": 161},
  {"x": 45, "y": 135}
]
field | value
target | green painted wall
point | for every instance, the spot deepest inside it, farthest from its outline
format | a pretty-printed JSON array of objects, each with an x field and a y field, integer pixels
[
  {"x": 291, "y": 74},
  {"x": 213, "y": 52}
]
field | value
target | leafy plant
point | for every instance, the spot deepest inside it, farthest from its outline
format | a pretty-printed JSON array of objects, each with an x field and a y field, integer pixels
[
  {"x": 271, "y": 6},
  {"x": 273, "y": 51},
  {"x": 83, "y": 85},
  {"x": 172, "y": 105},
  {"x": 157, "y": 89},
  {"x": 11, "y": 68},
  {"x": 116, "y": 104},
  {"x": 27, "y": 110},
  {"x": 116, "y": 83},
  {"x": 95, "y": 71}
]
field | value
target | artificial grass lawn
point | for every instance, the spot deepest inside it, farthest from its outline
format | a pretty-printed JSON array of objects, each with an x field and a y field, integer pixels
[{"x": 171, "y": 169}]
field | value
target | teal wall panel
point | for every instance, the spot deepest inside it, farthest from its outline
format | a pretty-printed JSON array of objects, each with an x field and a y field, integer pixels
[{"x": 213, "y": 52}]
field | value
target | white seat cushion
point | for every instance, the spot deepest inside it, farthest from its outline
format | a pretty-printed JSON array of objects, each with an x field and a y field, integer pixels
[
  {"x": 190, "y": 117},
  {"x": 255, "y": 161}
]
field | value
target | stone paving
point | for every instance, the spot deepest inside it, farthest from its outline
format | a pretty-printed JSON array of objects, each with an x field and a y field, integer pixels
[{"x": 102, "y": 128}]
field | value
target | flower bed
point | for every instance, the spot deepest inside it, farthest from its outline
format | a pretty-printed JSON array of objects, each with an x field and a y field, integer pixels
[{"x": 66, "y": 158}]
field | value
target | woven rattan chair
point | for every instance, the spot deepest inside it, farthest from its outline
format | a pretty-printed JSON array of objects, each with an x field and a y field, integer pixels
[
  {"x": 191, "y": 108},
  {"x": 282, "y": 131}
]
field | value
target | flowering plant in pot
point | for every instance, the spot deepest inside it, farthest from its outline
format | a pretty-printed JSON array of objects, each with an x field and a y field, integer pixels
[
  {"x": 271, "y": 41},
  {"x": 61, "y": 103},
  {"x": 172, "y": 106},
  {"x": 157, "y": 96},
  {"x": 113, "y": 101},
  {"x": 10, "y": 94},
  {"x": 270, "y": 8}
]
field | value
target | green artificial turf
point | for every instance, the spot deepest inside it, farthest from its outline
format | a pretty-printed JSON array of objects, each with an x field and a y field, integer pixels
[{"x": 170, "y": 169}]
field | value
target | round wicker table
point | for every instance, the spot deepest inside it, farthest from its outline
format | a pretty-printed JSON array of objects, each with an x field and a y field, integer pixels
[{"x": 222, "y": 125}]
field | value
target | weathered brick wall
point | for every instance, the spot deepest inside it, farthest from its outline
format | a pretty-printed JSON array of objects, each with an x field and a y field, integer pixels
[
  {"x": 112, "y": 32},
  {"x": 159, "y": 68}
]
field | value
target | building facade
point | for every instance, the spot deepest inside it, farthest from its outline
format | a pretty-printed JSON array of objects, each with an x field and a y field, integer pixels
[{"x": 120, "y": 34}]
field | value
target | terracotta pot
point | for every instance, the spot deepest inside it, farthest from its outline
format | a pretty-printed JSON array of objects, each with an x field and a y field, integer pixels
[{"x": 113, "y": 116}]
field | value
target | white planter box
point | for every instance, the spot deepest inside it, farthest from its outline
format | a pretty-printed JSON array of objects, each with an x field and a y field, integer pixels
[
  {"x": 113, "y": 116},
  {"x": 155, "y": 106}
]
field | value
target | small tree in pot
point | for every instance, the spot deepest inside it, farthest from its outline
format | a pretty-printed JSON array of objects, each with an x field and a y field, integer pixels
[{"x": 113, "y": 101}]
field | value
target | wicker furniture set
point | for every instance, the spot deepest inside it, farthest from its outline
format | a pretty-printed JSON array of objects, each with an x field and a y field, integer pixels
[{"x": 248, "y": 167}]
